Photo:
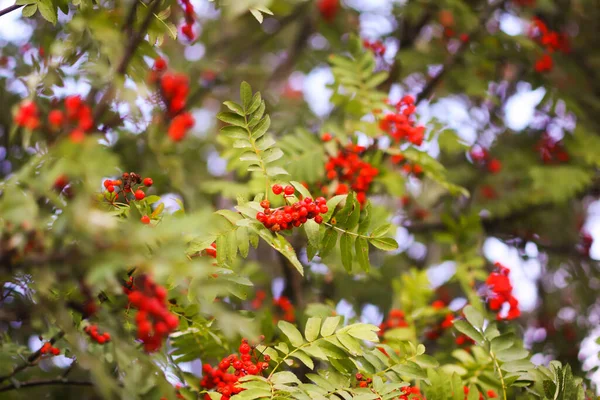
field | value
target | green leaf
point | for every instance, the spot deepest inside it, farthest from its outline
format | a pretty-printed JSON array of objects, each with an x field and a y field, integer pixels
[
  {"x": 329, "y": 325},
  {"x": 304, "y": 358},
  {"x": 246, "y": 95},
  {"x": 364, "y": 332},
  {"x": 346, "y": 250},
  {"x": 380, "y": 231},
  {"x": 29, "y": 10},
  {"x": 467, "y": 329},
  {"x": 48, "y": 10},
  {"x": 232, "y": 118},
  {"x": 362, "y": 253},
  {"x": 384, "y": 243},
  {"x": 235, "y": 132},
  {"x": 313, "y": 233},
  {"x": 284, "y": 377},
  {"x": 311, "y": 332},
  {"x": 291, "y": 332},
  {"x": 474, "y": 317},
  {"x": 329, "y": 242},
  {"x": 236, "y": 108}
]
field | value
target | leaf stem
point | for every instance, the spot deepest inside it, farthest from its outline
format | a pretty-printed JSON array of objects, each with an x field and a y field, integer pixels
[
  {"x": 10, "y": 9},
  {"x": 497, "y": 366},
  {"x": 257, "y": 152},
  {"x": 345, "y": 231}
]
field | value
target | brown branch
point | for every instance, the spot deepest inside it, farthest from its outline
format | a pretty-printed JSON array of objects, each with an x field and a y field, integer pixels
[
  {"x": 32, "y": 359},
  {"x": 134, "y": 42},
  {"x": 45, "y": 382},
  {"x": 10, "y": 9},
  {"x": 458, "y": 54}
]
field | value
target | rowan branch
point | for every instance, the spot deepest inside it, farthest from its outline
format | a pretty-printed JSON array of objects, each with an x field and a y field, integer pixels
[
  {"x": 132, "y": 46},
  {"x": 32, "y": 359},
  {"x": 10, "y": 9},
  {"x": 458, "y": 54},
  {"x": 45, "y": 382}
]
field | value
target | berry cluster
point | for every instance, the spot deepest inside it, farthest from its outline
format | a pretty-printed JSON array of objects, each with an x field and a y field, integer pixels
[
  {"x": 47, "y": 348},
  {"x": 551, "y": 151},
  {"x": 400, "y": 125},
  {"x": 501, "y": 293},
  {"x": 363, "y": 381},
  {"x": 289, "y": 216},
  {"x": 347, "y": 171},
  {"x": 174, "y": 90},
  {"x": 481, "y": 157},
  {"x": 284, "y": 304},
  {"x": 551, "y": 41},
  {"x": 130, "y": 182},
  {"x": 77, "y": 118},
  {"x": 407, "y": 167},
  {"x": 188, "y": 28},
  {"x": 376, "y": 46},
  {"x": 27, "y": 116},
  {"x": 328, "y": 9},
  {"x": 490, "y": 394},
  {"x": 395, "y": 319},
  {"x": 224, "y": 381},
  {"x": 153, "y": 319},
  {"x": 100, "y": 338},
  {"x": 411, "y": 392}
]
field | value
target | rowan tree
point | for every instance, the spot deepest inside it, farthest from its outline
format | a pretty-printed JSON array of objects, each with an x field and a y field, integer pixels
[{"x": 188, "y": 211}]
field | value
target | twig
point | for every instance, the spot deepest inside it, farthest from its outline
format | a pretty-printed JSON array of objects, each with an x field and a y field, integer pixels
[
  {"x": 46, "y": 382},
  {"x": 134, "y": 42},
  {"x": 32, "y": 358},
  {"x": 10, "y": 9},
  {"x": 457, "y": 55}
]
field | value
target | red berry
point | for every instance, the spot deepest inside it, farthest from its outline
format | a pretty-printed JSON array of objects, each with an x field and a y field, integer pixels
[
  {"x": 245, "y": 348},
  {"x": 56, "y": 118},
  {"x": 160, "y": 64},
  {"x": 107, "y": 183},
  {"x": 265, "y": 204},
  {"x": 289, "y": 190},
  {"x": 277, "y": 189},
  {"x": 148, "y": 182},
  {"x": 145, "y": 220},
  {"x": 326, "y": 137},
  {"x": 318, "y": 219},
  {"x": 139, "y": 194},
  {"x": 110, "y": 189},
  {"x": 55, "y": 351}
]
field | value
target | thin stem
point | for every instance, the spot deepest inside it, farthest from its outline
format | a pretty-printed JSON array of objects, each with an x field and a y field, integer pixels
[
  {"x": 497, "y": 366},
  {"x": 10, "y": 9},
  {"x": 32, "y": 358},
  {"x": 257, "y": 152},
  {"x": 457, "y": 55},
  {"x": 345, "y": 231}
]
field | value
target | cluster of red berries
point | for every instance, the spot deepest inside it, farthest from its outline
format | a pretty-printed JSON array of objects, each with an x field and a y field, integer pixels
[
  {"x": 47, "y": 348},
  {"x": 450, "y": 33},
  {"x": 174, "y": 90},
  {"x": 77, "y": 118},
  {"x": 400, "y": 125},
  {"x": 481, "y": 157},
  {"x": 376, "y": 46},
  {"x": 224, "y": 381},
  {"x": 348, "y": 171},
  {"x": 289, "y": 216},
  {"x": 411, "y": 392},
  {"x": 407, "y": 167},
  {"x": 153, "y": 319},
  {"x": 490, "y": 394},
  {"x": 395, "y": 319},
  {"x": 130, "y": 182},
  {"x": 328, "y": 9},
  {"x": 551, "y": 41},
  {"x": 501, "y": 293},
  {"x": 100, "y": 338},
  {"x": 551, "y": 151},
  {"x": 284, "y": 304},
  {"x": 27, "y": 116},
  {"x": 188, "y": 28},
  {"x": 363, "y": 381}
]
